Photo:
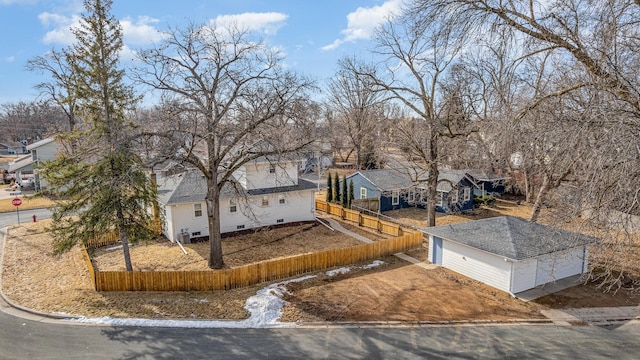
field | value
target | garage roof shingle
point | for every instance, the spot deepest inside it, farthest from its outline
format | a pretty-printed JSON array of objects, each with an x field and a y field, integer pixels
[{"x": 510, "y": 237}]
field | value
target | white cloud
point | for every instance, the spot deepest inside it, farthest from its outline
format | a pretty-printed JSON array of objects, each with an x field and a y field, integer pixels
[
  {"x": 362, "y": 23},
  {"x": 268, "y": 23},
  {"x": 10, "y": 59},
  {"x": 20, "y": 2},
  {"x": 140, "y": 32},
  {"x": 61, "y": 33}
]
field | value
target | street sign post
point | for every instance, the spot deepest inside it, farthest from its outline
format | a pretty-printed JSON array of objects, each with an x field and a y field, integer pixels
[{"x": 17, "y": 202}]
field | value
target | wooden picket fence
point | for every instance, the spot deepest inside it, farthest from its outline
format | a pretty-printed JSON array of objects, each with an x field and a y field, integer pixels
[
  {"x": 251, "y": 274},
  {"x": 113, "y": 237},
  {"x": 255, "y": 273},
  {"x": 367, "y": 221}
]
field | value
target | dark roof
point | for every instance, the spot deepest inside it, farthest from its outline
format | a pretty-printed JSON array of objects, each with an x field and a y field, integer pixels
[
  {"x": 386, "y": 179},
  {"x": 510, "y": 237},
  {"x": 447, "y": 179},
  {"x": 481, "y": 175},
  {"x": 191, "y": 186}
]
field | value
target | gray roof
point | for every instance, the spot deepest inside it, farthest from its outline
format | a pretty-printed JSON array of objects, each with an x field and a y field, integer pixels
[
  {"x": 24, "y": 162},
  {"x": 447, "y": 178},
  {"x": 482, "y": 175},
  {"x": 37, "y": 144},
  {"x": 387, "y": 179},
  {"x": 191, "y": 186},
  {"x": 510, "y": 237}
]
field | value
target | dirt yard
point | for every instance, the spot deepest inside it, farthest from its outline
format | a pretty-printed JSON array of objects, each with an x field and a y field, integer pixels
[{"x": 395, "y": 291}]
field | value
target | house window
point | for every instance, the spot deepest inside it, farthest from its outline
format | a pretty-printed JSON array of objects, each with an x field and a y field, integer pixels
[
  {"x": 363, "y": 193},
  {"x": 239, "y": 227},
  {"x": 265, "y": 201},
  {"x": 197, "y": 210},
  {"x": 454, "y": 196},
  {"x": 439, "y": 198},
  {"x": 467, "y": 194},
  {"x": 272, "y": 168},
  {"x": 34, "y": 155},
  {"x": 197, "y": 233},
  {"x": 280, "y": 221},
  {"x": 395, "y": 198},
  {"x": 281, "y": 199},
  {"x": 233, "y": 207},
  {"x": 412, "y": 196}
]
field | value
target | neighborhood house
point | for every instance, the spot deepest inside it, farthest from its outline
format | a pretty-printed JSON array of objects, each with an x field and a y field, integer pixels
[
  {"x": 390, "y": 189},
  {"x": 43, "y": 150},
  {"x": 509, "y": 253},
  {"x": 265, "y": 192}
]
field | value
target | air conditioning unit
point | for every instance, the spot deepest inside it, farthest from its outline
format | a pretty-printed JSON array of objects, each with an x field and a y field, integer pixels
[{"x": 184, "y": 238}]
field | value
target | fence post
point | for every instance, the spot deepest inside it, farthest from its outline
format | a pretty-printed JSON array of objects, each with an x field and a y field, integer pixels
[
  {"x": 359, "y": 218},
  {"x": 343, "y": 213}
]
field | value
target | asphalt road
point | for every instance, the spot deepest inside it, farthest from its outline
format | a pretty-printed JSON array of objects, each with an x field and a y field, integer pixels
[
  {"x": 28, "y": 339},
  {"x": 9, "y": 218},
  {"x": 24, "y": 336}
]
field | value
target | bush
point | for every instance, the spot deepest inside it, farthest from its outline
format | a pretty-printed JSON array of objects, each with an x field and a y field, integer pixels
[{"x": 483, "y": 200}]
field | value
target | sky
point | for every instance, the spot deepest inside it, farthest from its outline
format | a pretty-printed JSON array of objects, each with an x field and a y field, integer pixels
[{"x": 313, "y": 35}]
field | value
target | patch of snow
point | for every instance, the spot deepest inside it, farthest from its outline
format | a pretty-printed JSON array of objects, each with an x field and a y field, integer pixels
[
  {"x": 344, "y": 270},
  {"x": 265, "y": 308}
]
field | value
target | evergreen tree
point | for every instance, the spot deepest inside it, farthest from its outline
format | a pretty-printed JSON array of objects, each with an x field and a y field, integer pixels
[
  {"x": 350, "y": 194},
  {"x": 345, "y": 192},
  {"x": 99, "y": 177},
  {"x": 336, "y": 189},
  {"x": 329, "y": 188}
]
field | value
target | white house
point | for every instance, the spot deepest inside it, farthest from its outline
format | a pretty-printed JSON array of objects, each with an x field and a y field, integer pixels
[
  {"x": 509, "y": 253},
  {"x": 43, "y": 150},
  {"x": 267, "y": 193}
]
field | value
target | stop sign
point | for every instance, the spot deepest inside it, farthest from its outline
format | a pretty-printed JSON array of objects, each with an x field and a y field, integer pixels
[{"x": 16, "y": 202}]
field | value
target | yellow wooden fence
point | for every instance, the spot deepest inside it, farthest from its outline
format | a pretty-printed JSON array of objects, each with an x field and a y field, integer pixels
[
  {"x": 367, "y": 221},
  {"x": 253, "y": 273}
]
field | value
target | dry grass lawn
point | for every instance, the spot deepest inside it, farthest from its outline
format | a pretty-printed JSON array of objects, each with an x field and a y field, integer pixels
[
  {"x": 28, "y": 202},
  {"x": 396, "y": 290}
]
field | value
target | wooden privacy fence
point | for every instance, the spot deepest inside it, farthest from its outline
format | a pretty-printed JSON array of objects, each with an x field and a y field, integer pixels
[
  {"x": 113, "y": 237},
  {"x": 250, "y": 274},
  {"x": 367, "y": 221}
]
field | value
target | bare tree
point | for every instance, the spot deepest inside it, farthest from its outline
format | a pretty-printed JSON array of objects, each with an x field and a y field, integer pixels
[
  {"x": 579, "y": 63},
  {"x": 30, "y": 120},
  {"x": 232, "y": 102},
  {"x": 357, "y": 109},
  {"x": 61, "y": 89},
  {"x": 418, "y": 51}
]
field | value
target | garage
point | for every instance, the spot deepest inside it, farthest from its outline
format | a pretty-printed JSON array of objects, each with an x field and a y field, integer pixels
[{"x": 509, "y": 253}]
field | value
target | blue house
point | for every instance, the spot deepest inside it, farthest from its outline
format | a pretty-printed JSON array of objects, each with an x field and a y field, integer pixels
[
  {"x": 389, "y": 187},
  {"x": 454, "y": 192},
  {"x": 395, "y": 190},
  {"x": 489, "y": 183}
]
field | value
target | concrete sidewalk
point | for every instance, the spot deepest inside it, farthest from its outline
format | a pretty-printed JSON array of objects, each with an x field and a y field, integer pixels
[
  {"x": 336, "y": 225},
  {"x": 592, "y": 316}
]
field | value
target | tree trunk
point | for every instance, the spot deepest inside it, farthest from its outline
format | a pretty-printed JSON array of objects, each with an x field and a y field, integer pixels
[
  {"x": 535, "y": 212},
  {"x": 432, "y": 182},
  {"x": 124, "y": 238},
  {"x": 213, "y": 216}
]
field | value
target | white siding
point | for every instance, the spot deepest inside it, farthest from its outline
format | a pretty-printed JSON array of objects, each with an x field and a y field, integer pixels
[
  {"x": 298, "y": 206},
  {"x": 183, "y": 218},
  {"x": 523, "y": 275},
  {"x": 479, "y": 265},
  {"x": 257, "y": 176},
  {"x": 168, "y": 228},
  {"x": 47, "y": 152},
  {"x": 559, "y": 265}
]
